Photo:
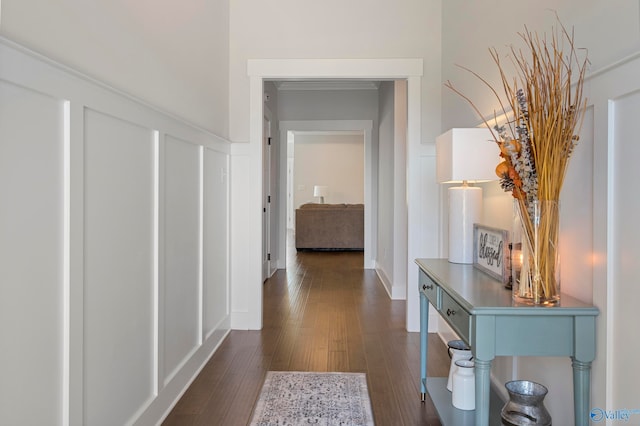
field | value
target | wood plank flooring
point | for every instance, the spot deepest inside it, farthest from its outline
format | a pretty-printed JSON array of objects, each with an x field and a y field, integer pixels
[{"x": 323, "y": 313}]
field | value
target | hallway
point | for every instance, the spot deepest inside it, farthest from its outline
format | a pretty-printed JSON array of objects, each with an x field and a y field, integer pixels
[{"x": 323, "y": 313}]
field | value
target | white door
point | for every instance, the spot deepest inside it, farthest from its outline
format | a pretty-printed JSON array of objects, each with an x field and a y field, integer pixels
[{"x": 266, "y": 198}]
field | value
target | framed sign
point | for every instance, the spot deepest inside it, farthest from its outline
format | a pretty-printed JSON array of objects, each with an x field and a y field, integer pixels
[{"x": 490, "y": 251}]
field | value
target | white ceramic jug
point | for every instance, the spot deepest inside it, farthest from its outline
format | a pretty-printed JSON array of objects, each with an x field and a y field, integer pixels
[
  {"x": 464, "y": 386},
  {"x": 458, "y": 350}
]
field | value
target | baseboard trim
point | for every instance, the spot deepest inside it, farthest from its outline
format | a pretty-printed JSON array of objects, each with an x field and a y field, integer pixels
[
  {"x": 395, "y": 292},
  {"x": 160, "y": 408}
]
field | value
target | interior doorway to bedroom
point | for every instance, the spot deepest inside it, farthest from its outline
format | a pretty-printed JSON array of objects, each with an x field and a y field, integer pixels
[
  {"x": 336, "y": 154},
  {"x": 324, "y": 167}
]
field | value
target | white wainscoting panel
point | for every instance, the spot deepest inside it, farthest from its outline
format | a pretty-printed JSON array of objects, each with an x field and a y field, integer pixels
[
  {"x": 241, "y": 181},
  {"x": 119, "y": 288},
  {"x": 216, "y": 291},
  {"x": 180, "y": 294},
  {"x": 626, "y": 251},
  {"x": 31, "y": 256},
  {"x": 114, "y": 249}
]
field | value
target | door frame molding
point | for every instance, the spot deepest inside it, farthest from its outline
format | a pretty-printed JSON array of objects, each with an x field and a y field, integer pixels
[{"x": 259, "y": 70}]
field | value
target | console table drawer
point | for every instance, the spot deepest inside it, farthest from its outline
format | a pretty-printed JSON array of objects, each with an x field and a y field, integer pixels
[
  {"x": 457, "y": 317},
  {"x": 430, "y": 289}
]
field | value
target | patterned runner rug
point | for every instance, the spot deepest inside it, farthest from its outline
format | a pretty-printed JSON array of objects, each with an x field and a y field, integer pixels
[{"x": 300, "y": 398}]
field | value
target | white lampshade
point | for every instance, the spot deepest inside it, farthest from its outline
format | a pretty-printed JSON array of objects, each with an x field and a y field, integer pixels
[
  {"x": 320, "y": 191},
  {"x": 465, "y": 155}
]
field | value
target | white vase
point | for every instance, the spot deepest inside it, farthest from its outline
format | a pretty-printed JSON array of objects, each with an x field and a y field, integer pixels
[
  {"x": 458, "y": 350},
  {"x": 463, "y": 395}
]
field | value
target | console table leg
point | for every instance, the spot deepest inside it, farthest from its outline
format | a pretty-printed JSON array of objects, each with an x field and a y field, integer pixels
[
  {"x": 424, "y": 329},
  {"x": 581, "y": 391},
  {"x": 483, "y": 383}
]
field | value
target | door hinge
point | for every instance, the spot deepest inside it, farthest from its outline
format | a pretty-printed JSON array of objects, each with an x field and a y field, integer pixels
[
  {"x": 268, "y": 198},
  {"x": 269, "y": 140},
  {"x": 268, "y": 256}
]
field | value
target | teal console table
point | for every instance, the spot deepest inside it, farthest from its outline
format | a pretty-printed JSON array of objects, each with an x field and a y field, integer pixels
[{"x": 482, "y": 313}]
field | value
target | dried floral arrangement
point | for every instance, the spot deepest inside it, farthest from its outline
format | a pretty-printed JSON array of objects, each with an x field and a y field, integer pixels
[{"x": 547, "y": 105}]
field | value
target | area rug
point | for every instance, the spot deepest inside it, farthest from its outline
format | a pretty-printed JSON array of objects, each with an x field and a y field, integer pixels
[{"x": 300, "y": 398}]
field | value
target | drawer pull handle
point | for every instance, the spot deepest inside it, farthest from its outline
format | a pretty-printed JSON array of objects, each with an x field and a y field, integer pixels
[
  {"x": 450, "y": 312},
  {"x": 429, "y": 287}
]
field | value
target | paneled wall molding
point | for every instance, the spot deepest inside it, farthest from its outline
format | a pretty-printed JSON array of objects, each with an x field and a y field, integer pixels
[
  {"x": 615, "y": 100},
  {"x": 629, "y": 59},
  {"x": 114, "y": 249},
  {"x": 15, "y": 68}
]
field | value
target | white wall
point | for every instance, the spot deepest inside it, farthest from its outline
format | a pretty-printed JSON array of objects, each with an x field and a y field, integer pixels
[
  {"x": 337, "y": 30},
  {"x": 624, "y": 107},
  {"x": 391, "y": 259},
  {"x": 401, "y": 284},
  {"x": 592, "y": 240},
  {"x": 336, "y": 161},
  {"x": 171, "y": 54},
  {"x": 361, "y": 104},
  {"x": 114, "y": 250},
  {"x": 386, "y": 183},
  {"x": 609, "y": 31},
  {"x": 614, "y": 104}
]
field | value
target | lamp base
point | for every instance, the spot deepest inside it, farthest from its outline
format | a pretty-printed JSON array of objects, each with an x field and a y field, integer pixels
[{"x": 465, "y": 209}]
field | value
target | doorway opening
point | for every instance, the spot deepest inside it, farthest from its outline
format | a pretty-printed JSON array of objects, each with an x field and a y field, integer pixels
[
  {"x": 289, "y": 129},
  {"x": 262, "y": 70},
  {"x": 325, "y": 167}
]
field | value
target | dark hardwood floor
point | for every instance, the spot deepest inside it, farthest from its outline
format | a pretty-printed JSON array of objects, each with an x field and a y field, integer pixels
[{"x": 323, "y": 313}]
